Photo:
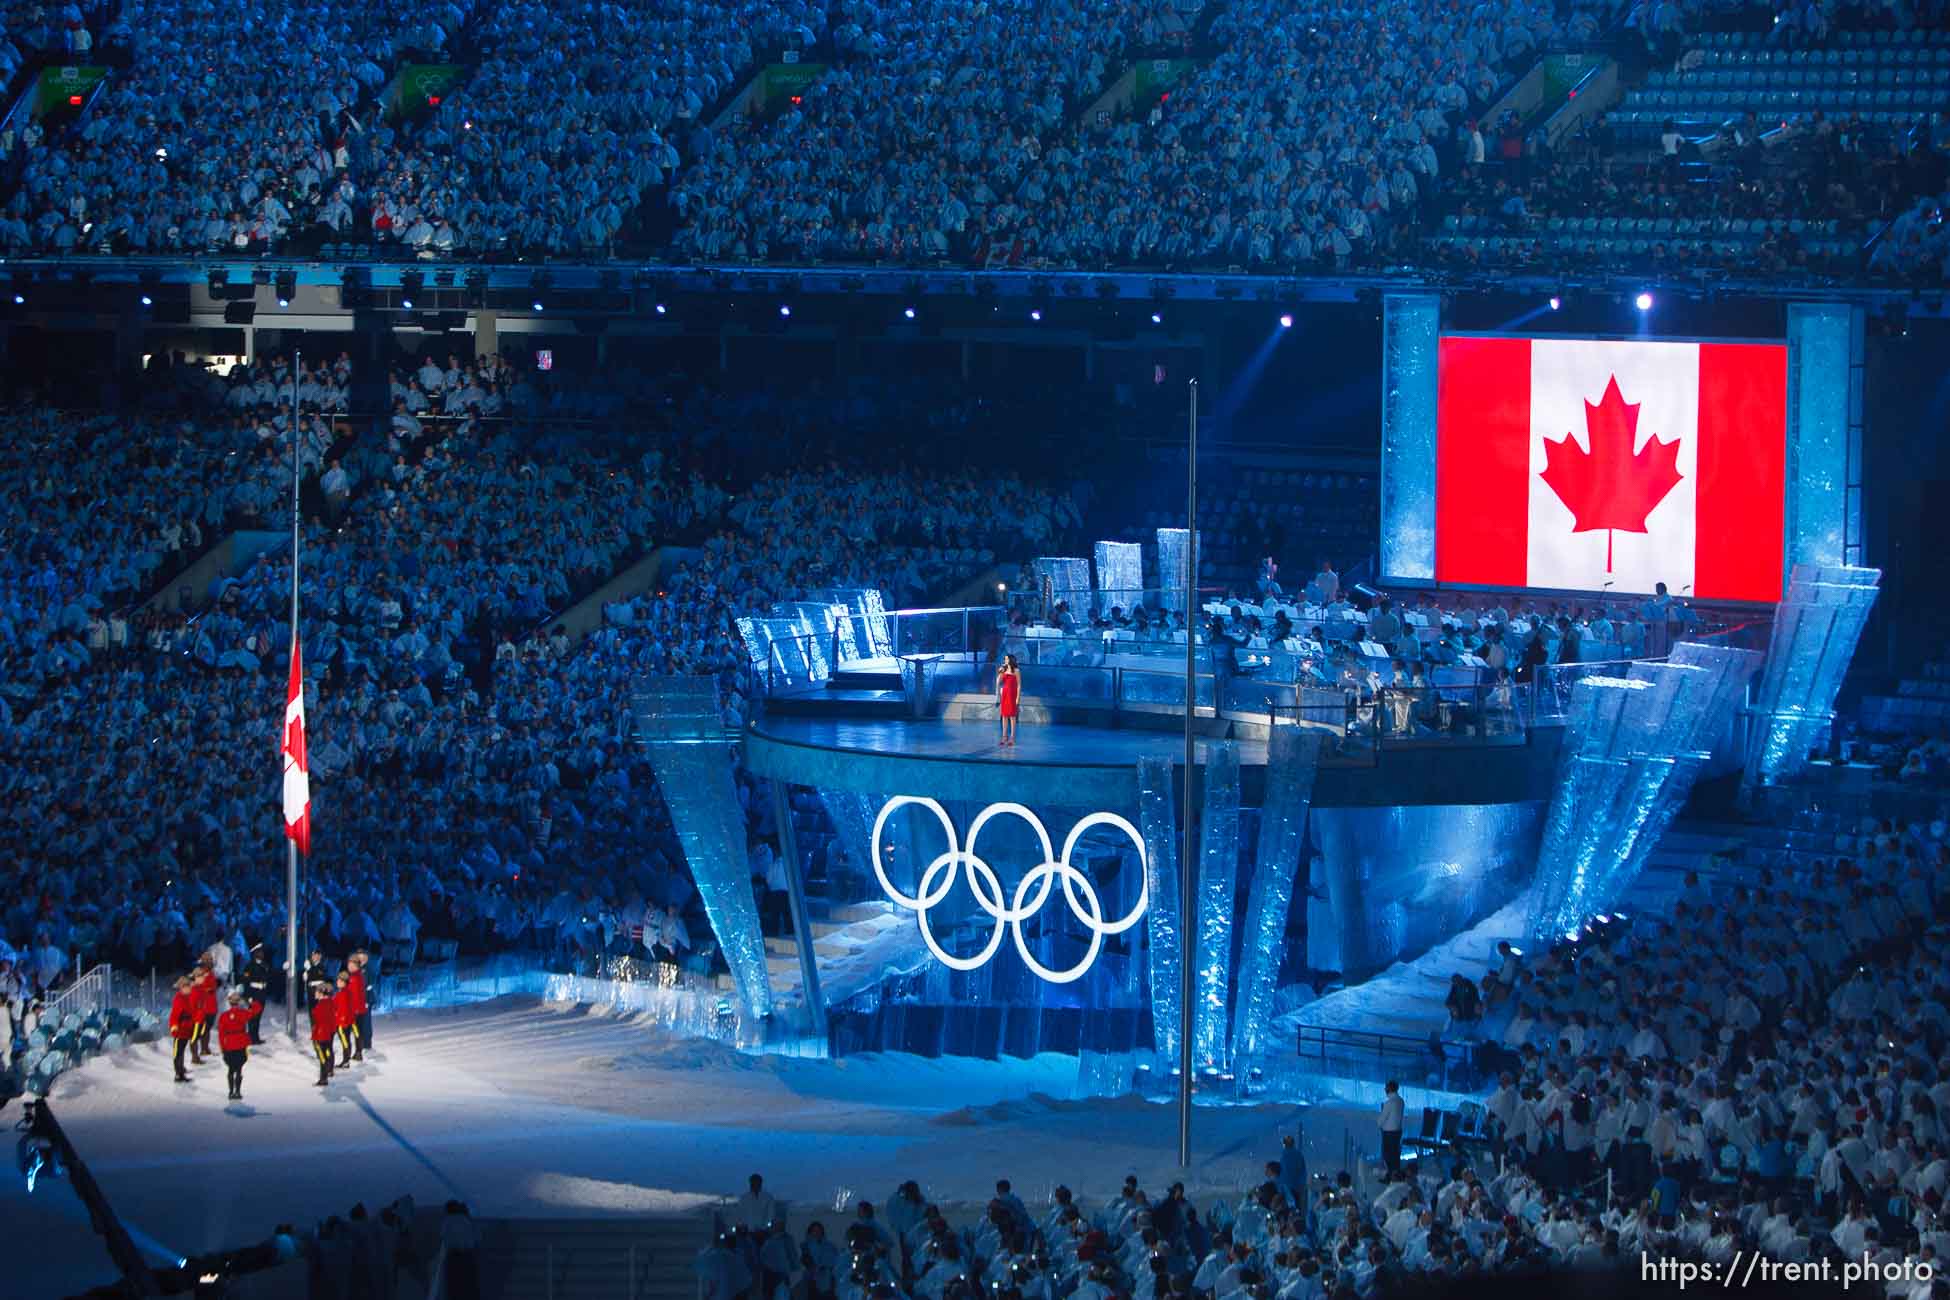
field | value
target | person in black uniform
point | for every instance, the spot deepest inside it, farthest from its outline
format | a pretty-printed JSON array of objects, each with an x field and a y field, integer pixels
[{"x": 254, "y": 981}]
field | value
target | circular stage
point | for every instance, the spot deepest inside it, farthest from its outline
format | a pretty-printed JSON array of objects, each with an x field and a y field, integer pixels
[{"x": 1079, "y": 763}]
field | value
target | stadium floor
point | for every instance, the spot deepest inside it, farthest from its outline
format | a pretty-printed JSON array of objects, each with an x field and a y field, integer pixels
[{"x": 527, "y": 1109}]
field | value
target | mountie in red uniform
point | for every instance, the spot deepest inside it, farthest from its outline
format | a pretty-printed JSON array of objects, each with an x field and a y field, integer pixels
[
  {"x": 343, "y": 1012},
  {"x": 361, "y": 1012},
  {"x": 324, "y": 1027},
  {"x": 205, "y": 1009},
  {"x": 234, "y": 1038},
  {"x": 182, "y": 1026},
  {"x": 234, "y": 1026}
]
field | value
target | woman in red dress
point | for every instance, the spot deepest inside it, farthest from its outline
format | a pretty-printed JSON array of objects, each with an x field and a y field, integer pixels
[{"x": 1008, "y": 689}]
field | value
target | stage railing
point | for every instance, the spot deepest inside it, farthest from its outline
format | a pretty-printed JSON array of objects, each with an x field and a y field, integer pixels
[
  {"x": 1375, "y": 1057},
  {"x": 1554, "y": 682},
  {"x": 1499, "y": 713},
  {"x": 960, "y": 629}
]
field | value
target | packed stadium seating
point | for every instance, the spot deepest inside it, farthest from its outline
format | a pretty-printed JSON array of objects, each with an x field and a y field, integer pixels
[
  {"x": 1744, "y": 155},
  {"x": 1278, "y": 141},
  {"x": 445, "y": 692}
]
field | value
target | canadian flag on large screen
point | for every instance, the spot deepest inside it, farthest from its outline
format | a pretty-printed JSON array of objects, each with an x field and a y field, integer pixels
[{"x": 1583, "y": 464}]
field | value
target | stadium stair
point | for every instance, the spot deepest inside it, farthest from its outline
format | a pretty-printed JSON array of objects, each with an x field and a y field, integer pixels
[{"x": 586, "y": 615}]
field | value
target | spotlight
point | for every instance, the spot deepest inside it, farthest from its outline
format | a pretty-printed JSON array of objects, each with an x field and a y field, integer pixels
[
  {"x": 147, "y": 301},
  {"x": 908, "y": 312},
  {"x": 536, "y": 305},
  {"x": 410, "y": 283},
  {"x": 1643, "y": 302},
  {"x": 1035, "y": 313},
  {"x": 1157, "y": 319},
  {"x": 404, "y": 302},
  {"x": 1556, "y": 302},
  {"x": 662, "y": 310},
  {"x": 1286, "y": 320},
  {"x": 287, "y": 286},
  {"x": 20, "y": 300},
  {"x": 785, "y": 309}
]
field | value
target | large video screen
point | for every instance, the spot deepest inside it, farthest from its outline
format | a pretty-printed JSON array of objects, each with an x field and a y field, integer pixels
[{"x": 1602, "y": 465}]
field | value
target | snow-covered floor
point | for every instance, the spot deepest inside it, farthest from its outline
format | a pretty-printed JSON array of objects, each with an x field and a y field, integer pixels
[{"x": 524, "y": 1108}]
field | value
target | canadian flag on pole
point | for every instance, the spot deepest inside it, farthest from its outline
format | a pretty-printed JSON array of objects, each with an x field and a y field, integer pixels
[
  {"x": 1582, "y": 464},
  {"x": 297, "y": 772}
]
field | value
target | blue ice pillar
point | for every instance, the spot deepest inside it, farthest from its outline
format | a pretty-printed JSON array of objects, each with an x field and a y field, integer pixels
[
  {"x": 1068, "y": 579},
  {"x": 1174, "y": 550},
  {"x": 681, "y": 724},
  {"x": 1158, "y": 820},
  {"x": 1411, "y": 339},
  {"x": 1598, "y": 814},
  {"x": 1815, "y": 633},
  {"x": 1632, "y": 749},
  {"x": 1218, "y": 875},
  {"x": 1593, "y": 777},
  {"x": 1716, "y": 684},
  {"x": 1293, "y": 756},
  {"x": 1120, "y": 575},
  {"x": 852, "y": 817}
]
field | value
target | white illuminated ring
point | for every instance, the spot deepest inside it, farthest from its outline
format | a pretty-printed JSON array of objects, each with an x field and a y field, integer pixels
[{"x": 941, "y": 874}]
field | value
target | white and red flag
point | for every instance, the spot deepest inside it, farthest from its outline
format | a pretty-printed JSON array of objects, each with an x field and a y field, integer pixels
[
  {"x": 297, "y": 771},
  {"x": 1585, "y": 463}
]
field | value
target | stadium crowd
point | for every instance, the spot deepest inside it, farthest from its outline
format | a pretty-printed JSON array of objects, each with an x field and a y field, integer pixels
[
  {"x": 1294, "y": 140},
  {"x": 569, "y": 121},
  {"x": 194, "y": 144},
  {"x": 442, "y": 691}
]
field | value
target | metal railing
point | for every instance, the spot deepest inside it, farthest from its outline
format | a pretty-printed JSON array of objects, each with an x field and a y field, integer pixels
[
  {"x": 1501, "y": 713},
  {"x": 955, "y": 630},
  {"x": 88, "y": 993},
  {"x": 1376, "y": 1057}
]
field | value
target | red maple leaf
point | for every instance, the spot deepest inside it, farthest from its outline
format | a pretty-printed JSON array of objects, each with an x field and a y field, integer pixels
[{"x": 1611, "y": 486}]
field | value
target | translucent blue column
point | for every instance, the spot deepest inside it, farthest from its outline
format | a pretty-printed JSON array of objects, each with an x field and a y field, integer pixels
[
  {"x": 852, "y": 817},
  {"x": 1822, "y": 337},
  {"x": 1069, "y": 580},
  {"x": 1164, "y": 930},
  {"x": 1816, "y": 630},
  {"x": 1633, "y": 747},
  {"x": 1218, "y": 877},
  {"x": 1174, "y": 546},
  {"x": 1120, "y": 575},
  {"x": 1293, "y": 756},
  {"x": 682, "y": 727},
  {"x": 1411, "y": 334}
]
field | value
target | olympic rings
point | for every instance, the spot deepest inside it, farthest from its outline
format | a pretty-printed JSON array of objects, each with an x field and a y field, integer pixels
[{"x": 941, "y": 874}]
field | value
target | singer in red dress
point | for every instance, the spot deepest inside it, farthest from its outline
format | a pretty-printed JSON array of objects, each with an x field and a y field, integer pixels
[{"x": 1008, "y": 689}]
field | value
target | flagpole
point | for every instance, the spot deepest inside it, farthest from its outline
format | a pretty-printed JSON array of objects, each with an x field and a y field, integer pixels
[
  {"x": 1187, "y": 865},
  {"x": 293, "y": 972}
]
